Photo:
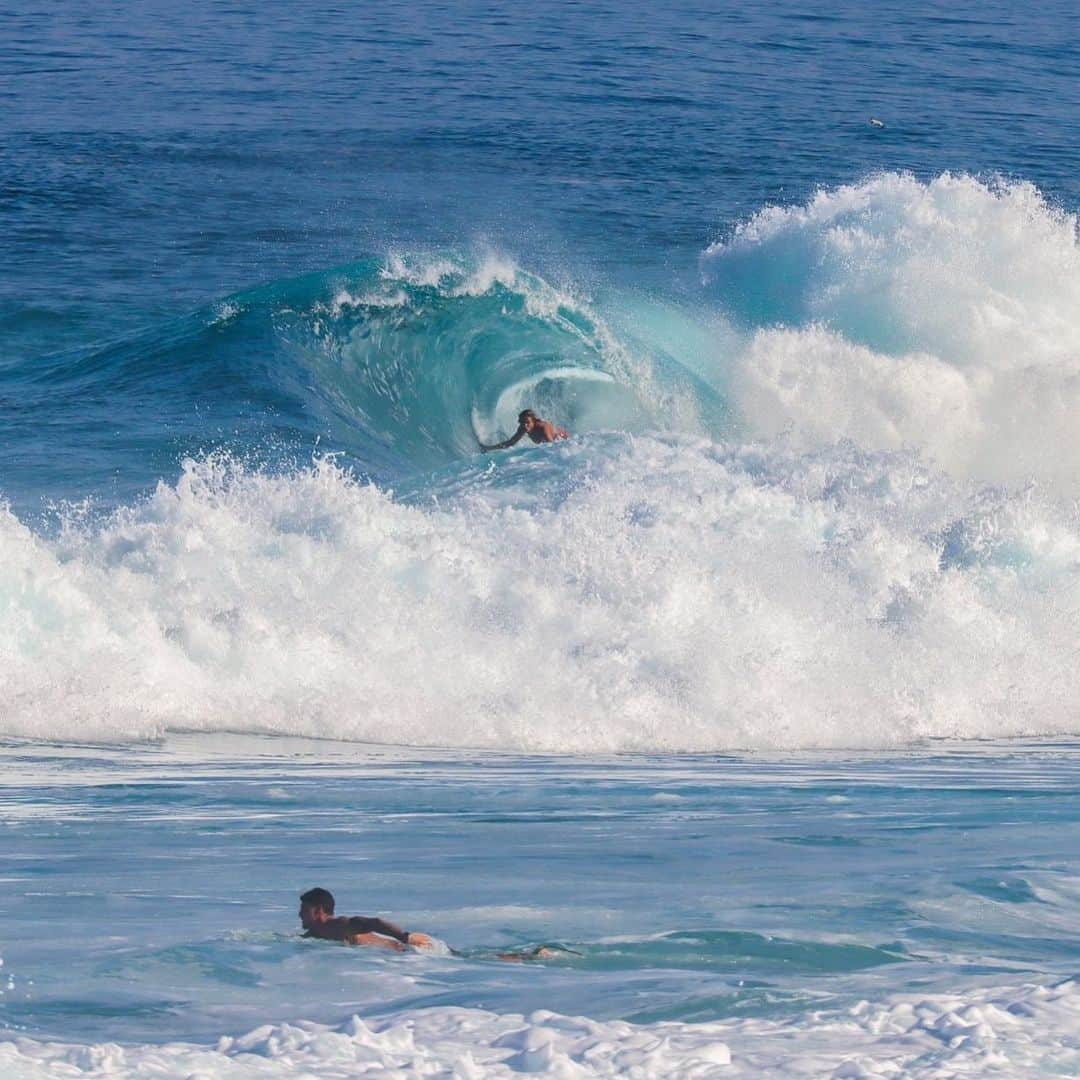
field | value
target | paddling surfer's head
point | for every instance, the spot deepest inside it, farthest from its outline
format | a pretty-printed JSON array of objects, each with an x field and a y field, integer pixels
[
  {"x": 526, "y": 419},
  {"x": 316, "y": 906}
]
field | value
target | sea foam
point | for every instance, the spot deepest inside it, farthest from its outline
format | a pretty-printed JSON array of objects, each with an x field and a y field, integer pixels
[
  {"x": 652, "y": 593},
  {"x": 938, "y": 315},
  {"x": 1019, "y": 1030}
]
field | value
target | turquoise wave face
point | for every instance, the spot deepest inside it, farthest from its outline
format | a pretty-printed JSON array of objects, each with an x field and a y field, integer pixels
[
  {"x": 401, "y": 365},
  {"x": 431, "y": 356}
]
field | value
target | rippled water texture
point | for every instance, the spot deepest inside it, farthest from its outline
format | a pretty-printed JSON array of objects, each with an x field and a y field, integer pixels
[{"x": 735, "y": 893}]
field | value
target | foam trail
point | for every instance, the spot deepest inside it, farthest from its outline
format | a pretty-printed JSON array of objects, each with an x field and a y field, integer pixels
[
  {"x": 665, "y": 593},
  {"x": 942, "y": 316}
]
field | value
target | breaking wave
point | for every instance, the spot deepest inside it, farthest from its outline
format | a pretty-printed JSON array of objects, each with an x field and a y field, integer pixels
[{"x": 827, "y": 502}]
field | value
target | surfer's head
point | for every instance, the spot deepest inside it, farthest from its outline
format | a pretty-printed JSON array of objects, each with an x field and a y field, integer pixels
[
  {"x": 526, "y": 418},
  {"x": 316, "y": 906}
]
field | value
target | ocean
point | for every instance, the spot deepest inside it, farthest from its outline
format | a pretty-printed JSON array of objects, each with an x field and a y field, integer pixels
[{"x": 755, "y": 699}]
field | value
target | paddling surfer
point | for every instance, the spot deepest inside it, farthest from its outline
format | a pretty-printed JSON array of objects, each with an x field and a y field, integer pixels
[
  {"x": 319, "y": 921},
  {"x": 539, "y": 430}
]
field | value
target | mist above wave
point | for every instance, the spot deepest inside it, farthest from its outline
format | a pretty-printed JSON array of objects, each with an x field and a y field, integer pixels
[{"x": 941, "y": 316}]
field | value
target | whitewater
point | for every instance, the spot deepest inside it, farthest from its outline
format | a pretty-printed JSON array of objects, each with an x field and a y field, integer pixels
[{"x": 754, "y": 701}]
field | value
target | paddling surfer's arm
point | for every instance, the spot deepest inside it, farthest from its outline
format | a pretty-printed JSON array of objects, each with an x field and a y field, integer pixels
[
  {"x": 364, "y": 924},
  {"x": 365, "y": 930},
  {"x": 506, "y": 443}
]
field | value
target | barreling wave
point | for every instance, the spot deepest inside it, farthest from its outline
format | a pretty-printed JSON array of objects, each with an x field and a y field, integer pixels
[
  {"x": 431, "y": 354},
  {"x": 828, "y": 503},
  {"x": 401, "y": 363}
]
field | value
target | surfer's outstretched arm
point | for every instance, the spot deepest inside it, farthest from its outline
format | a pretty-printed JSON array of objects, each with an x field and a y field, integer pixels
[
  {"x": 377, "y": 941},
  {"x": 364, "y": 924},
  {"x": 506, "y": 443}
]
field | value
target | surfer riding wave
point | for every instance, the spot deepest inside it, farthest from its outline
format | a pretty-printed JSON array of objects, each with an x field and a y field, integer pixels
[{"x": 538, "y": 429}]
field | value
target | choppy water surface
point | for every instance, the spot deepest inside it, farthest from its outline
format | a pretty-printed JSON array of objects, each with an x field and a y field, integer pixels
[{"x": 726, "y": 891}]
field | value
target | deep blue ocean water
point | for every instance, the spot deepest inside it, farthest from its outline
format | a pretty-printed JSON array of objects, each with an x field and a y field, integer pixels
[
  {"x": 153, "y": 164},
  {"x": 802, "y": 281}
]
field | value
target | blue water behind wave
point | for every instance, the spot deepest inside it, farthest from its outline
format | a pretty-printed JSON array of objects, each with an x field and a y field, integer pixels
[{"x": 152, "y": 163}]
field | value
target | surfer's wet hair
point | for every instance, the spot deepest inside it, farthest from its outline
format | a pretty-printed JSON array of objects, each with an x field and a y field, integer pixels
[
  {"x": 526, "y": 414},
  {"x": 319, "y": 898}
]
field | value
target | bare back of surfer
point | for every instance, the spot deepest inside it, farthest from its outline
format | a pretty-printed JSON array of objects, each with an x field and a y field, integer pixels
[{"x": 538, "y": 429}]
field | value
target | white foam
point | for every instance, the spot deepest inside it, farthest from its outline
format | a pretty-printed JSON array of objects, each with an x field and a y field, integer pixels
[
  {"x": 344, "y": 300},
  {"x": 943, "y": 316},
  {"x": 649, "y": 593},
  {"x": 477, "y": 276},
  {"x": 1024, "y": 1030},
  {"x": 224, "y": 312}
]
